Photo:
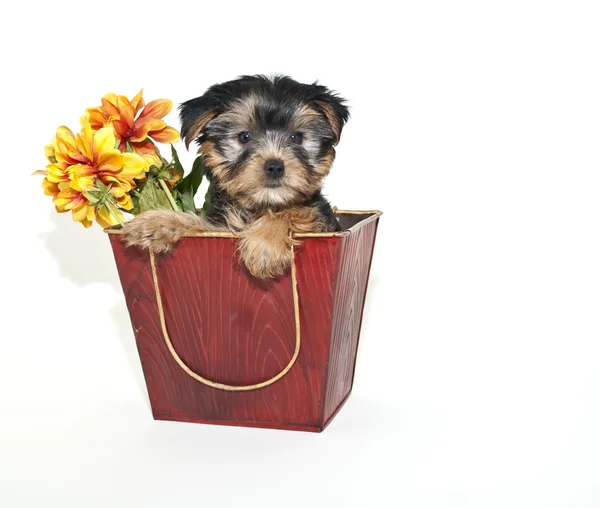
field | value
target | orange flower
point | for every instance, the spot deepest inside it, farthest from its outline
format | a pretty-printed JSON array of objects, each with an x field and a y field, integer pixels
[
  {"x": 55, "y": 172},
  {"x": 135, "y": 123},
  {"x": 80, "y": 165}
]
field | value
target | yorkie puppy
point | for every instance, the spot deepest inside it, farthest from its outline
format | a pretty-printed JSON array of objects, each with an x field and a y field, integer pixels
[{"x": 267, "y": 144}]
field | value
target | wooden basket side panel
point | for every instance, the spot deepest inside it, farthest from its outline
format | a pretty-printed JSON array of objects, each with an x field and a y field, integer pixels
[
  {"x": 347, "y": 317},
  {"x": 317, "y": 262},
  {"x": 135, "y": 274},
  {"x": 230, "y": 328}
]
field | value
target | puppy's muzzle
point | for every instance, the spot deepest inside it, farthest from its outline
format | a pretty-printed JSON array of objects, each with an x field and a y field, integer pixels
[{"x": 274, "y": 169}]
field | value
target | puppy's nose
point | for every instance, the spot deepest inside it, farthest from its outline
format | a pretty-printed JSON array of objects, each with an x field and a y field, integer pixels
[{"x": 274, "y": 168}]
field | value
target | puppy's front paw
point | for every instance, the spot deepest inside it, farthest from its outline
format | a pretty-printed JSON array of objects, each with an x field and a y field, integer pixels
[
  {"x": 266, "y": 253},
  {"x": 158, "y": 230}
]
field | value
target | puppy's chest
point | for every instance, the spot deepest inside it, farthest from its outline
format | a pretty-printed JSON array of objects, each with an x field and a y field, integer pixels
[{"x": 303, "y": 218}]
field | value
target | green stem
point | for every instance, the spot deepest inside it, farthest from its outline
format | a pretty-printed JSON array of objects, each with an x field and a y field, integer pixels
[
  {"x": 113, "y": 212},
  {"x": 168, "y": 193}
]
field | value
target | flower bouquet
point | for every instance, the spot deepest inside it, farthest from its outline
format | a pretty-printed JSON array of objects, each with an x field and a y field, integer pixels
[
  {"x": 113, "y": 165},
  {"x": 216, "y": 344}
]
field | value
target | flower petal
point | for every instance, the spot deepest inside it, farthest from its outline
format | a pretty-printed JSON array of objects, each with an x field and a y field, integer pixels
[
  {"x": 49, "y": 151},
  {"x": 68, "y": 199},
  {"x": 110, "y": 161},
  {"x": 83, "y": 145},
  {"x": 151, "y": 159},
  {"x": 110, "y": 104},
  {"x": 122, "y": 130},
  {"x": 106, "y": 219},
  {"x": 104, "y": 141},
  {"x": 80, "y": 213},
  {"x": 133, "y": 165},
  {"x": 157, "y": 108},
  {"x": 76, "y": 157},
  {"x": 144, "y": 148},
  {"x": 50, "y": 188},
  {"x": 138, "y": 101},
  {"x": 82, "y": 177},
  {"x": 166, "y": 135},
  {"x": 144, "y": 126},
  {"x": 57, "y": 172},
  {"x": 118, "y": 189},
  {"x": 125, "y": 202},
  {"x": 96, "y": 118},
  {"x": 128, "y": 115},
  {"x": 64, "y": 143}
]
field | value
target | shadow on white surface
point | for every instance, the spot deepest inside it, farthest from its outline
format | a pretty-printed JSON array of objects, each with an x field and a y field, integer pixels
[
  {"x": 362, "y": 414},
  {"x": 85, "y": 257},
  {"x": 124, "y": 331}
]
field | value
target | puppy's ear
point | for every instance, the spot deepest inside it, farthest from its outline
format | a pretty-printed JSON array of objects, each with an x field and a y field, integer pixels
[
  {"x": 196, "y": 113},
  {"x": 331, "y": 106}
]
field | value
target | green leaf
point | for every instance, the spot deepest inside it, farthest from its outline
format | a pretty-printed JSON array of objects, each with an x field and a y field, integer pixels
[
  {"x": 152, "y": 198},
  {"x": 177, "y": 167},
  {"x": 188, "y": 186},
  {"x": 164, "y": 174},
  {"x": 207, "y": 201},
  {"x": 192, "y": 181},
  {"x": 95, "y": 194},
  {"x": 135, "y": 198},
  {"x": 136, "y": 205},
  {"x": 128, "y": 148},
  {"x": 186, "y": 202}
]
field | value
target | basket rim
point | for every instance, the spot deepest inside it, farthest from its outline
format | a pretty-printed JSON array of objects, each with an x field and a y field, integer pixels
[{"x": 372, "y": 215}]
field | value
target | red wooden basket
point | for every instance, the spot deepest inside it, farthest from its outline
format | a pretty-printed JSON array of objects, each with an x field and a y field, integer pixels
[{"x": 220, "y": 346}]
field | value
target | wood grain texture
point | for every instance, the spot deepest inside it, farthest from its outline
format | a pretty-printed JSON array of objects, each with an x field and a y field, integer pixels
[
  {"x": 353, "y": 277},
  {"x": 232, "y": 328}
]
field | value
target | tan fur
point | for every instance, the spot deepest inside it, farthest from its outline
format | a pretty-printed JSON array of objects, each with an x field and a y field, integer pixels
[
  {"x": 241, "y": 112},
  {"x": 248, "y": 185},
  {"x": 160, "y": 230},
  {"x": 265, "y": 244},
  {"x": 324, "y": 167},
  {"x": 264, "y": 216},
  {"x": 332, "y": 118},
  {"x": 197, "y": 127},
  {"x": 212, "y": 158},
  {"x": 304, "y": 115},
  {"x": 237, "y": 219}
]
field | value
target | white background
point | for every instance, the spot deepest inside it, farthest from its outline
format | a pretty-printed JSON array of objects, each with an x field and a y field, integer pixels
[{"x": 475, "y": 128}]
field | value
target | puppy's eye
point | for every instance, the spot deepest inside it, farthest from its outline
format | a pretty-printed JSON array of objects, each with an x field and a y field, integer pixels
[
  {"x": 244, "y": 137},
  {"x": 296, "y": 138}
]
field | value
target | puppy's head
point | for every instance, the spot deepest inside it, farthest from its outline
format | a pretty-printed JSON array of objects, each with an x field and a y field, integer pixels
[{"x": 266, "y": 142}]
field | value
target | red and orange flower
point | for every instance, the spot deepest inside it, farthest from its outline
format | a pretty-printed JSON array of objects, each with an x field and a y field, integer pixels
[
  {"x": 78, "y": 163},
  {"x": 113, "y": 165},
  {"x": 136, "y": 124}
]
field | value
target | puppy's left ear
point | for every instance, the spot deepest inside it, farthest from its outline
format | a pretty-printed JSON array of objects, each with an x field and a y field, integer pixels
[
  {"x": 332, "y": 107},
  {"x": 195, "y": 114}
]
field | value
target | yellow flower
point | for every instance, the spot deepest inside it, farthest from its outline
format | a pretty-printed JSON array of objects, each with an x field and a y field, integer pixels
[
  {"x": 134, "y": 122},
  {"x": 78, "y": 163},
  {"x": 55, "y": 172}
]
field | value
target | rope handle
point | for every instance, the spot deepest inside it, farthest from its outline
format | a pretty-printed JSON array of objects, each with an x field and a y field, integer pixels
[{"x": 208, "y": 382}]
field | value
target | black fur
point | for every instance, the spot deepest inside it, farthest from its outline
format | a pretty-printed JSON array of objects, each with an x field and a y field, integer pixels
[
  {"x": 282, "y": 94},
  {"x": 279, "y": 99}
]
